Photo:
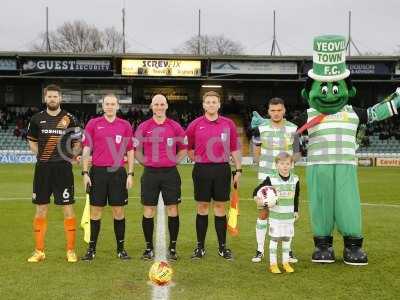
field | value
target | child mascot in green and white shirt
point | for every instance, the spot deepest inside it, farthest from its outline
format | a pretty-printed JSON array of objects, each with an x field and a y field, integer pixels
[
  {"x": 280, "y": 192},
  {"x": 331, "y": 159}
]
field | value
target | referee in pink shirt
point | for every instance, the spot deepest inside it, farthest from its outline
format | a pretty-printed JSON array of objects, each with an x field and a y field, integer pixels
[
  {"x": 108, "y": 139},
  {"x": 160, "y": 143},
  {"x": 212, "y": 140}
]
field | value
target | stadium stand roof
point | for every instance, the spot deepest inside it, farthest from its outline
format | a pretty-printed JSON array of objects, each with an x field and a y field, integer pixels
[{"x": 392, "y": 58}]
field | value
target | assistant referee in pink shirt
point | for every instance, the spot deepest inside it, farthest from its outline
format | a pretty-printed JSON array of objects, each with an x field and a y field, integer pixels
[
  {"x": 212, "y": 140},
  {"x": 108, "y": 138},
  {"x": 160, "y": 143}
]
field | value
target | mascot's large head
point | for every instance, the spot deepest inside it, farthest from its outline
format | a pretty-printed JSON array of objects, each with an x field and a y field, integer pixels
[{"x": 328, "y": 87}]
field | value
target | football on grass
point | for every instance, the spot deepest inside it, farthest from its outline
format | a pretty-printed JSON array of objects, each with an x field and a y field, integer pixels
[{"x": 160, "y": 273}]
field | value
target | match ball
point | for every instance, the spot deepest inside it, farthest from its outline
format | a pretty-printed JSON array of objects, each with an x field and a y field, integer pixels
[
  {"x": 268, "y": 195},
  {"x": 161, "y": 273}
]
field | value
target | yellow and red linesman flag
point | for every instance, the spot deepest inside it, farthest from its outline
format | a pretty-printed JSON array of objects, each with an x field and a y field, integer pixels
[
  {"x": 85, "y": 221},
  {"x": 233, "y": 227}
]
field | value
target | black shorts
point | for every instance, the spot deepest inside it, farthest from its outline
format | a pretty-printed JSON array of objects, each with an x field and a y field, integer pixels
[
  {"x": 53, "y": 178},
  {"x": 108, "y": 186},
  {"x": 212, "y": 181},
  {"x": 164, "y": 180}
]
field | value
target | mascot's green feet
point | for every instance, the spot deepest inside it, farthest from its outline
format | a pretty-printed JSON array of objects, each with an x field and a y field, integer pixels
[
  {"x": 352, "y": 252},
  {"x": 323, "y": 252}
]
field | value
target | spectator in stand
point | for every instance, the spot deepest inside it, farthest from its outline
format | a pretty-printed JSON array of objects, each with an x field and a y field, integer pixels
[
  {"x": 397, "y": 134},
  {"x": 17, "y": 132},
  {"x": 365, "y": 141}
]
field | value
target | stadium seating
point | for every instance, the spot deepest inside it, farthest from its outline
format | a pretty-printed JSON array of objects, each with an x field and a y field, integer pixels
[
  {"x": 378, "y": 146},
  {"x": 244, "y": 142},
  {"x": 10, "y": 142}
]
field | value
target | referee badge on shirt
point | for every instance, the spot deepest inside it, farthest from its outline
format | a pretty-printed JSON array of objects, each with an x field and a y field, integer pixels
[
  {"x": 224, "y": 136},
  {"x": 64, "y": 122},
  {"x": 118, "y": 139},
  {"x": 170, "y": 142},
  {"x": 136, "y": 142}
]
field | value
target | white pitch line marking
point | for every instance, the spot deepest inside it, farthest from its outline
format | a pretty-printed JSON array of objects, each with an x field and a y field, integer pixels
[{"x": 160, "y": 292}]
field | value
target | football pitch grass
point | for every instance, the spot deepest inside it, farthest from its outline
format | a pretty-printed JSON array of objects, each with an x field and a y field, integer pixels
[{"x": 211, "y": 278}]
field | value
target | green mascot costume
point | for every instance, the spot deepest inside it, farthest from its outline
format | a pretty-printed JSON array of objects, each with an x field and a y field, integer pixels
[{"x": 331, "y": 159}]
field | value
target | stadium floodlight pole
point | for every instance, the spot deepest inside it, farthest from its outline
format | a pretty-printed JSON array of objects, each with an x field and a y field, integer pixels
[
  {"x": 47, "y": 30},
  {"x": 199, "y": 34},
  {"x": 123, "y": 29},
  {"x": 350, "y": 40},
  {"x": 274, "y": 40}
]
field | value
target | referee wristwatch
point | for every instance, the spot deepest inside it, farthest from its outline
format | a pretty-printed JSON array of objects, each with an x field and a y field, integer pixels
[
  {"x": 131, "y": 173},
  {"x": 84, "y": 172},
  {"x": 237, "y": 171}
]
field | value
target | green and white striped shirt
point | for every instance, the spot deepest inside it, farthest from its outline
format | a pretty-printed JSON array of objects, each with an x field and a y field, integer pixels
[
  {"x": 274, "y": 140},
  {"x": 333, "y": 141},
  {"x": 283, "y": 211}
]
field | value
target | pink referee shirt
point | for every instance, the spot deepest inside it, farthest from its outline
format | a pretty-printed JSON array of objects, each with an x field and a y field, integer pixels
[
  {"x": 212, "y": 141},
  {"x": 160, "y": 142},
  {"x": 109, "y": 141}
]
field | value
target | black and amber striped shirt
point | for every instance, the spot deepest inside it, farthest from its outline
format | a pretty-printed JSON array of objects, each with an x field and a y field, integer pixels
[{"x": 55, "y": 135}]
